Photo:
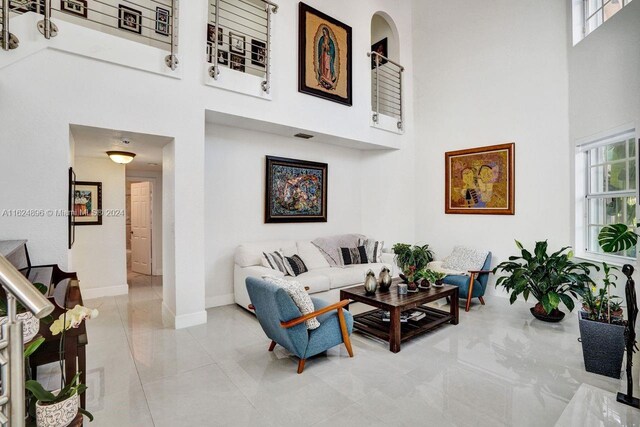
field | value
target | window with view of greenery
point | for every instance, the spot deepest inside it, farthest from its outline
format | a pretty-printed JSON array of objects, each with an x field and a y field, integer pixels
[
  {"x": 611, "y": 189},
  {"x": 596, "y": 12}
]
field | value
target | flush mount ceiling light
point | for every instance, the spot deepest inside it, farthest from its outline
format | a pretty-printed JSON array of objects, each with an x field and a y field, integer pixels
[{"x": 121, "y": 157}]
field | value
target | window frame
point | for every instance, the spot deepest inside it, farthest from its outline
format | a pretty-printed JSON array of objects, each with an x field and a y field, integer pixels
[
  {"x": 598, "y": 12},
  {"x": 584, "y": 194}
]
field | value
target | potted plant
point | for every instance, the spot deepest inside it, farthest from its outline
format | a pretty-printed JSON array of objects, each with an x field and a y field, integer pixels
[
  {"x": 30, "y": 323},
  {"x": 412, "y": 261},
  {"x": 550, "y": 279},
  {"x": 59, "y": 407},
  {"x": 601, "y": 320}
]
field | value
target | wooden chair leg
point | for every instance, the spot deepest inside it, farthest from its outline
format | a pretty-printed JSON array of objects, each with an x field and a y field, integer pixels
[
  {"x": 345, "y": 332},
  {"x": 470, "y": 291},
  {"x": 301, "y": 365},
  {"x": 481, "y": 300},
  {"x": 272, "y": 345}
]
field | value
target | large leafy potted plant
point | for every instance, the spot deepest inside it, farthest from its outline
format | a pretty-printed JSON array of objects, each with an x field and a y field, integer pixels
[
  {"x": 550, "y": 279},
  {"x": 412, "y": 260},
  {"x": 601, "y": 322}
]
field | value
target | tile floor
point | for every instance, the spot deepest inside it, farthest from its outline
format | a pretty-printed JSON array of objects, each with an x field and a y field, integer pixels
[{"x": 499, "y": 366}]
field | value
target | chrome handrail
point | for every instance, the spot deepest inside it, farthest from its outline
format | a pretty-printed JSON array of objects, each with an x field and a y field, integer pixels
[
  {"x": 17, "y": 289},
  {"x": 387, "y": 94}
]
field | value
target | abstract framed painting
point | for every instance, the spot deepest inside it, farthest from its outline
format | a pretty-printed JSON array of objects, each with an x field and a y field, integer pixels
[
  {"x": 481, "y": 180},
  {"x": 296, "y": 191},
  {"x": 324, "y": 55},
  {"x": 87, "y": 203}
]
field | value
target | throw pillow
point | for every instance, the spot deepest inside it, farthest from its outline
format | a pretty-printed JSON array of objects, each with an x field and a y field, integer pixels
[
  {"x": 300, "y": 297},
  {"x": 275, "y": 261},
  {"x": 354, "y": 255},
  {"x": 296, "y": 265},
  {"x": 465, "y": 259},
  {"x": 373, "y": 248}
]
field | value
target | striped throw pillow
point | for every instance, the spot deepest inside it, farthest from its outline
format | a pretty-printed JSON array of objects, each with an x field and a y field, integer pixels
[
  {"x": 275, "y": 261},
  {"x": 296, "y": 265},
  {"x": 354, "y": 255},
  {"x": 373, "y": 248}
]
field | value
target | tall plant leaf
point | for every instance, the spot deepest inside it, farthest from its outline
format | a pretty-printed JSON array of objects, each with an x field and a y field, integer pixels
[{"x": 616, "y": 237}]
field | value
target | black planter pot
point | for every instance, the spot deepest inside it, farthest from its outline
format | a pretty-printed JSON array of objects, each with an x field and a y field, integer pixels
[
  {"x": 602, "y": 346},
  {"x": 553, "y": 317}
]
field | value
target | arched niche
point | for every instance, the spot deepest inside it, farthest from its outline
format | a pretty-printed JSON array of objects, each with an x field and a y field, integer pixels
[{"x": 383, "y": 27}]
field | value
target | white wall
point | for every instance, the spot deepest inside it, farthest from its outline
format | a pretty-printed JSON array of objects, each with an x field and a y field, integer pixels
[
  {"x": 490, "y": 73},
  {"x": 98, "y": 253},
  {"x": 156, "y": 236}
]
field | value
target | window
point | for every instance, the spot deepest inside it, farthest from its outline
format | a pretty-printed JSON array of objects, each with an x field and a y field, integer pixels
[
  {"x": 597, "y": 11},
  {"x": 610, "y": 193}
]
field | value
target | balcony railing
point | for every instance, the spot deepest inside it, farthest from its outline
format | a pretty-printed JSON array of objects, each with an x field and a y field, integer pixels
[
  {"x": 386, "y": 88},
  {"x": 239, "y": 38},
  {"x": 152, "y": 22}
]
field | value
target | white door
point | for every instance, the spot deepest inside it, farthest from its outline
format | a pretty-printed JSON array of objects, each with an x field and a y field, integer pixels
[{"x": 141, "y": 227}]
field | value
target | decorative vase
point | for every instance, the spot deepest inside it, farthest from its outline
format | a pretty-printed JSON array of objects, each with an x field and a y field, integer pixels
[
  {"x": 603, "y": 346},
  {"x": 384, "y": 281},
  {"x": 30, "y": 325},
  {"x": 539, "y": 313},
  {"x": 370, "y": 283},
  {"x": 58, "y": 414}
]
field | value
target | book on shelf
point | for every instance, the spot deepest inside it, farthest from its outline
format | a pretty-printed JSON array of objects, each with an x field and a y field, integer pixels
[{"x": 405, "y": 316}]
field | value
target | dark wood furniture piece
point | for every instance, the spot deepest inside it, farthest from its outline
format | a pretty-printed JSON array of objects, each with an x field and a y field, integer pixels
[
  {"x": 395, "y": 331},
  {"x": 51, "y": 275}
]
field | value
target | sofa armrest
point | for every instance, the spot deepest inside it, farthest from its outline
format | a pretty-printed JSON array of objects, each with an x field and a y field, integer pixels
[
  {"x": 240, "y": 275},
  {"x": 259, "y": 271}
]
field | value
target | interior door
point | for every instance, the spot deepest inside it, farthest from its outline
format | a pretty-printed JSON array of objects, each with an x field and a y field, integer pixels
[{"x": 141, "y": 227}]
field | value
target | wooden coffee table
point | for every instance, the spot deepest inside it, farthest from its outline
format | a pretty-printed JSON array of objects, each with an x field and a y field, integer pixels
[{"x": 395, "y": 332}]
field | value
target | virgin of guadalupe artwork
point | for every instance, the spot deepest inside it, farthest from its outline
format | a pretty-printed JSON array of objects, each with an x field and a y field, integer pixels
[
  {"x": 480, "y": 180},
  {"x": 324, "y": 45},
  {"x": 296, "y": 191}
]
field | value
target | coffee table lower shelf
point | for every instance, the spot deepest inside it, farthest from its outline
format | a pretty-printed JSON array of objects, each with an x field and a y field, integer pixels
[{"x": 371, "y": 323}]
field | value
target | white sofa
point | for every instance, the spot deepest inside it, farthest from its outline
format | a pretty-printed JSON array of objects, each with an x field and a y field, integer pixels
[{"x": 322, "y": 280}]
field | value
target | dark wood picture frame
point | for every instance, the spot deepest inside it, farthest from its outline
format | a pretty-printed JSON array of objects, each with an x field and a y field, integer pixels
[
  {"x": 83, "y": 12},
  {"x": 98, "y": 216},
  {"x": 211, "y": 37},
  {"x": 258, "y": 53},
  {"x": 162, "y": 27},
  {"x": 122, "y": 11},
  {"x": 482, "y": 185},
  {"x": 302, "y": 56},
  {"x": 382, "y": 47},
  {"x": 237, "y": 62},
  {"x": 232, "y": 46},
  {"x": 270, "y": 213}
]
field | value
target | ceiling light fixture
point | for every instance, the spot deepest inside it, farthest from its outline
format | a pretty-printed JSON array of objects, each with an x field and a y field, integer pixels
[{"x": 121, "y": 157}]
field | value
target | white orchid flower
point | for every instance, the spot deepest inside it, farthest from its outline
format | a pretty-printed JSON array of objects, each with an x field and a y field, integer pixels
[{"x": 73, "y": 319}]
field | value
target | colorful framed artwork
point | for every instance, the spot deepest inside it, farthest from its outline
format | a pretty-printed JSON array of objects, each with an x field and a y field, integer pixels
[
  {"x": 129, "y": 19},
  {"x": 236, "y": 43},
  {"x": 87, "y": 203},
  {"x": 258, "y": 53},
  {"x": 381, "y": 48},
  {"x": 296, "y": 191},
  {"x": 324, "y": 55},
  {"x": 237, "y": 62},
  {"x": 211, "y": 34},
  {"x": 74, "y": 7},
  {"x": 481, "y": 180},
  {"x": 162, "y": 21}
]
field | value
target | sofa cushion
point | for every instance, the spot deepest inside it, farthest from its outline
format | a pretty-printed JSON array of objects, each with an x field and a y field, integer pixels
[
  {"x": 311, "y": 255},
  {"x": 276, "y": 261},
  {"x": 299, "y": 296},
  {"x": 249, "y": 254},
  {"x": 315, "y": 280},
  {"x": 296, "y": 265},
  {"x": 465, "y": 259},
  {"x": 373, "y": 248},
  {"x": 356, "y": 255},
  {"x": 330, "y": 246}
]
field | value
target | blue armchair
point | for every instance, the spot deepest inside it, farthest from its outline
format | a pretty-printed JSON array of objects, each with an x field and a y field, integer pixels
[
  {"x": 474, "y": 285},
  {"x": 283, "y": 323}
]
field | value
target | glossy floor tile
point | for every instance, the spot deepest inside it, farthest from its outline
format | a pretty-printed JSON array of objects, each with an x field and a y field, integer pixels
[{"x": 498, "y": 367}]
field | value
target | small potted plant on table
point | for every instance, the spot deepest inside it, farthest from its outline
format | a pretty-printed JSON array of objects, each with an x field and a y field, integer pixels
[
  {"x": 550, "y": 279},
  {"x": 412, "y": 260}
]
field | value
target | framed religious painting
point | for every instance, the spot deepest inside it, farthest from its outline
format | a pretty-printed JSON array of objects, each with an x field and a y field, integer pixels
[
  {"x": 87, "y": 203},
  {"x": 296, "y": 191},
  {"x": 324, "y": 56},
  {"x": 480, "y": 180}
]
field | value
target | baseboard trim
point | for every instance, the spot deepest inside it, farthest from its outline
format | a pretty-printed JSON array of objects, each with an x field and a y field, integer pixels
[
  {"x": 107, "y": 291},
  {"x": 170, "y": 320},
  {"x": 219, "y": 300}
]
